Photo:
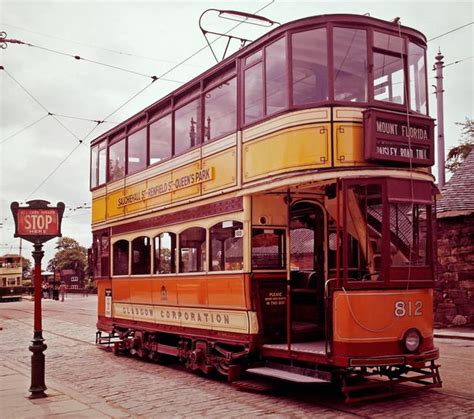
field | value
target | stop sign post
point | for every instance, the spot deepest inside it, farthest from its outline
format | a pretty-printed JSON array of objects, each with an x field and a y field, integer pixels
[{"x": 37, "y": 223}]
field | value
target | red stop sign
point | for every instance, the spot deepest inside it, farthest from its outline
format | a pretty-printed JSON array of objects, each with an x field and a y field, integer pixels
[{"x": 38, "y": 222}]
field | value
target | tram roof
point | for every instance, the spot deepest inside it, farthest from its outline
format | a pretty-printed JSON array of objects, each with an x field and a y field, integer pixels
[{"x": 339, "y": 19}]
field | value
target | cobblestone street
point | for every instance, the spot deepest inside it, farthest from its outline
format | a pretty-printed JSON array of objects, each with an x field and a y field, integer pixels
[{"x": 136, "y": 388}]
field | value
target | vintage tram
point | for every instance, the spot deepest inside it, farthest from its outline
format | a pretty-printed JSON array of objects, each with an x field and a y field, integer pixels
[
  {"x": 11, "y": 273},
  {"x": 275, "y": 215}
]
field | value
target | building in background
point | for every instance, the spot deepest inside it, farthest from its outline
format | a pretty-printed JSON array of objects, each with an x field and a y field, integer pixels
[
  {"x": 72, "y": 278},
  {"x": 454, "y": 293}
]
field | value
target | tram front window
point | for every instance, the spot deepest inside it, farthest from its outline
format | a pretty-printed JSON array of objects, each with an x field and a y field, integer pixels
[
  {"x": 408, "y": 235},
  {"x": 350, "y": 65},
  {"x": 364, "y": 232}
]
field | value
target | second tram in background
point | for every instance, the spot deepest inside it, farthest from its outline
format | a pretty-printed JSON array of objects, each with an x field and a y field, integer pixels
[
  {"x": 274, "y": 215},
  {"x": 11, "y": 274}
]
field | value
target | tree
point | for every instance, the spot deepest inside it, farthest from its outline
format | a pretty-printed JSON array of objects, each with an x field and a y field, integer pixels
[
  {"x": 70, "y": 255},
  {"x": 457, "y": 154},
  {"x": 26, "y": 265}
]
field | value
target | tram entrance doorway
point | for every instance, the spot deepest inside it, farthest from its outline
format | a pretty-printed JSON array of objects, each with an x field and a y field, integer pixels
[{"x": 307, "y": 263}]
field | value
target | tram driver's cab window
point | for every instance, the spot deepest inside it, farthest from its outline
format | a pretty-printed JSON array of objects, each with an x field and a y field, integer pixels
[
  {"x": 192, "y": 250},
  {"x": 268, "y": 248},
  {"x": 226, "y": 251},
  {"x": 120, "y": 257},
  {"x": 364, "y": 229}
]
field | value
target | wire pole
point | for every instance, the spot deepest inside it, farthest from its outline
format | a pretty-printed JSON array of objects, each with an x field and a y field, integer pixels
[{"x": 438, "y": 67}]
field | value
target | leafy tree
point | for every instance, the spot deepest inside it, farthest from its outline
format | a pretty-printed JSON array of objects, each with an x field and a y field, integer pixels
[
  {"x": 26, "y": 264},
  {"x": 70, "y": 255},
  {"x": 457, "y": 154}
]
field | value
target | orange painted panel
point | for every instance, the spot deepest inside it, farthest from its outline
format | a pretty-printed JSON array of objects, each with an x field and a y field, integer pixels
[
  {"x": 226, "y": 291},
  {"x": 192, "y": 291},
  {"x": 140, "y": 290},
  {"x": 164, "y": 291},
  {"x": 381, "y": 316},
  {"x": 121, "y": 289}
]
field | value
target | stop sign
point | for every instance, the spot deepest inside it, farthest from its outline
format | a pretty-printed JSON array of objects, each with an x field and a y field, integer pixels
[{"x": 40, "y": 222}]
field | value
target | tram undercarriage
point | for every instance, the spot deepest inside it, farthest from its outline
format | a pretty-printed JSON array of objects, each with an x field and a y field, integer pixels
[{"x": 261, "y": 370}]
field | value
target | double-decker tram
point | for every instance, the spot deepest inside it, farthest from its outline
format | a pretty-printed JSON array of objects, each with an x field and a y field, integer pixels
[
  {"x": 274, "y": 216},
  {"x": 11, "y": 272}
]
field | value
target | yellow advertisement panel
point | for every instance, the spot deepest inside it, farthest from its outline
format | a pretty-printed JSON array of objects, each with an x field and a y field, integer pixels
[
  {"x": 290, "y": 149},
  {"x": 225, "y": 164},
  {"x": 98, "y": 209},
  {"x": 348, "y": 144}
]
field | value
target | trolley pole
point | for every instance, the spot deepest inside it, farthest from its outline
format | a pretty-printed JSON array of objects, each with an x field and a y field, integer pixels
[
  {"x": 38, "y": 346},
  {"x": 439, "y": 99}
]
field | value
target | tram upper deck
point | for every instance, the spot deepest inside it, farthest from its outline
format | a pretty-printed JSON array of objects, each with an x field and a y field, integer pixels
[{"x": 318, "y": 98}]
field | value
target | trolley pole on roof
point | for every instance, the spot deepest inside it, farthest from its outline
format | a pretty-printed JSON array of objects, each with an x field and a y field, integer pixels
[{"x": 439, "y": 100}]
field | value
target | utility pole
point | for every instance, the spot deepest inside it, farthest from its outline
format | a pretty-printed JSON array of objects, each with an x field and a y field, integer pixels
[{"x": 438, "y": 67}]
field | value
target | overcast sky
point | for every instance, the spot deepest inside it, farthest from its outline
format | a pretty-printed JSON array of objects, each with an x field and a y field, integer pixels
[{"x": 148, "y": 38}]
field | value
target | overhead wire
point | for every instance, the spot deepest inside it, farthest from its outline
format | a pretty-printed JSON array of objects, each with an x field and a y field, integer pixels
[
  {"x": 88, "y": 45},
  {"x": 23, "y": 129},
  {"x": 451, "y": 31},
  {"x": 154, "y": 78}
]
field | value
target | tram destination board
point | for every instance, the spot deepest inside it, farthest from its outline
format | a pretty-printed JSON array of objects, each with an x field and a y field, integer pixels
[{"x": 395, "y": 137}]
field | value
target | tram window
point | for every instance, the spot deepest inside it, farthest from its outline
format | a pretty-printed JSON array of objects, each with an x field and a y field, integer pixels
[
  {"x": 160, "y": 139},
  {"x": 417, "y": 66},
  {"x": 117, "y": 160},
  {"x": 253, "y": 79},
  {"x": 364, "y": 232},
  {"x": 220, "y": 110},
  {"x": 141, "y": 250},
  {"x": 186, "y": 127},
  {"x": 165, "y": 251},
  {"x": 408, "y": 235},
  {"x": 226, "y": 253},
  {"x": 94, "y": 166},
  {"x": 389, "y": 80},
  {"x": 389, "y": 42},
  {"x": 98, "y": 165},
  {"x": 310, "y": 67},
  {"x": 136, "y": 151},
  {"x": 120, "y": 257},
  {"x": 268, "y": 249},
  {"x": 102, "y": 172},
  {"x": 192, "y": 250},
  {"x": 276, "y": 77},
  {"x": 350, "y": 65}
]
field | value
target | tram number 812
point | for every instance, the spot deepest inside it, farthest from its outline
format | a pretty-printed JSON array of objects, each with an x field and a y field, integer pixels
[{"x": 407, "y": 308}]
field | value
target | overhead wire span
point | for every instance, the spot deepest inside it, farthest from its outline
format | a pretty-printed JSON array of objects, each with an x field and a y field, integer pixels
[
  {"x": 459, "y": 61},
  {"x": 41, "y": 105},
  {"x": 53, "y": 171},
  {"x": 451, "y": 31},
  {"x": 23, "y": 129},
  {"x": 89, "y": 45}
]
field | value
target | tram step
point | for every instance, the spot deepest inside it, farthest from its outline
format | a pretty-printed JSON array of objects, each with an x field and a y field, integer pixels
[
  {"x": 255, "y": 385},
  {"x": 284, "y": 375}
]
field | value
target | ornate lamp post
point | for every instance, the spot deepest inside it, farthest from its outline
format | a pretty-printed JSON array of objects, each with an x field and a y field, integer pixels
[{"x": 37, "y": 223}]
